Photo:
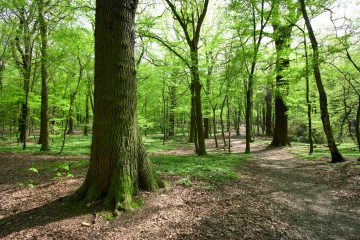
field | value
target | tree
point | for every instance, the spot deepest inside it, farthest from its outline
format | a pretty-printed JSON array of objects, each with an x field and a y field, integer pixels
[
  {"x": 282, "y": 25},
  {"x": 119, "y": 166},
  {"x": 259, "y": 16},
  {"x": 335, "y": 154},
  {"x": 190, "y": 16},
  {"x": 22, "y": 51},
  {"x": 345, "y": 44},
  {"x": 44, "y": 127}
]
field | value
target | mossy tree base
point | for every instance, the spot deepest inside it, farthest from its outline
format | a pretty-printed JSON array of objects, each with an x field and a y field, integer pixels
[
  {"x": 336, "y": 157},
  {"x": 116, "y": 186}
]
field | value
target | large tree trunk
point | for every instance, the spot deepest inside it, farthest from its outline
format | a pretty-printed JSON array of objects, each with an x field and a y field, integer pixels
[
  {"x": 44, "y": 126},
  {"x": 335, "y": 154},
  {"x": 282, "y": 35},
  {"x": 118, "y": 166}
]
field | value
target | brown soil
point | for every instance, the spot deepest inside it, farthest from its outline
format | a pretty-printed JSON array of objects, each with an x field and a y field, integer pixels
[{"x": 275, "y": 197}]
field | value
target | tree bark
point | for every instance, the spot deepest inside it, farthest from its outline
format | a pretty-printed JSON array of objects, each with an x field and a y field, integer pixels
[
  {"x": 119, "y": 166},
  {"x": 335, "y": 154}
]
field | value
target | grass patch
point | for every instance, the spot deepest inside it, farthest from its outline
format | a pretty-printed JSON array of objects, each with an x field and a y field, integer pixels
[
  {"x": 301, "y": 150},
  {"x": 154, "y": 143},
  {"x": 75, "y": 145},
  {"x": 217, "y": 167},
  {"x": 79, "y": 145}
]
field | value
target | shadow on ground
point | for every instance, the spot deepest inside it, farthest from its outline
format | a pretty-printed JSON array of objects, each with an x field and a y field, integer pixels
[{"x": 55, "y": 211}]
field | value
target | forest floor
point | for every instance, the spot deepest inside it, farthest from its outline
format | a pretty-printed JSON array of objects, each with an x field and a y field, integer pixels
[{"x": 275, "y": 196}]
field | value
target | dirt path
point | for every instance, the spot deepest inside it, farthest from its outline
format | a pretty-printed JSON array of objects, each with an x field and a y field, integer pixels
[
  {"x": 280, "y": 197},
  {"x": 275, "y": 197}
]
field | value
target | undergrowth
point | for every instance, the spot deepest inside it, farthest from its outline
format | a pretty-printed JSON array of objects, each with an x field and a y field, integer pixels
[
  {"x": 301, "y": 150},
  {"x": 213, "y": 167},
  {"x": 220, "y": 166}
]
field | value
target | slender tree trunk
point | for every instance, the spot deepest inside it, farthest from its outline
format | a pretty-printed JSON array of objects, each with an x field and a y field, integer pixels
[
  {"x": 257, "y": 38},
  {"x": 228, "y": 124},
  {"x": 23, "y": 123},
  {"x": 2, "y": 68},
  {"x": 87, "y": 115},
  {"x": 195, "y": 21},
  {"x": 119, "y": 167},
  {"x": 206, "y": 128},
  {"x": 192, "y": 123},
  {"x": 70, "y": 124},
  {"x": 346, "y": 114},
  {"x": 214, "y": 127},
  {"x": 172, "y": 111},
  {"x": 268, "y": 114},
  {"x": 248, "y": 111},
  {"x": 335, "y": 154},
  {"x": 257, "y": 120},
  {"x": 197, "y": 102},
  {"x": 24, "y": 45},
  {"x": 44, "y": 126},
  {"x": 357, "y": 124},
  {"x": 311, "y": 150},
  {"x": 164, "y": 117},
  {"x": 222, "y": 122},
  {"x": 3, "y": 129},
  {"x": 237, "y": 120}
]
